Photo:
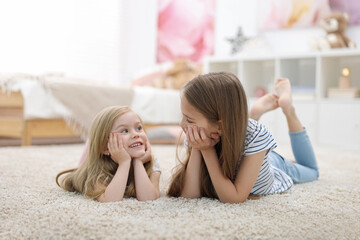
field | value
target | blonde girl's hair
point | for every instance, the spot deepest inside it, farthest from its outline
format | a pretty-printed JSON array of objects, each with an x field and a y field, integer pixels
[
  {"x": 220, "y": 97},
  {"x": 93, "y": 176}
]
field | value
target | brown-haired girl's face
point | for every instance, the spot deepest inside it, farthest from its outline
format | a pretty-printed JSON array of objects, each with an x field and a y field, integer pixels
[
  {"x": 192, "y": 117},
  {"x": 134, "y": 138}
]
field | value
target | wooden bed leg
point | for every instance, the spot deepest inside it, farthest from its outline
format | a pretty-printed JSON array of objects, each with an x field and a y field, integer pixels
[{"x": 26, "y": 136}]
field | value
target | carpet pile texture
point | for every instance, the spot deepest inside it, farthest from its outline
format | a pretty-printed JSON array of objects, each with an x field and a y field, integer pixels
[{"x": 32, "y": 206}]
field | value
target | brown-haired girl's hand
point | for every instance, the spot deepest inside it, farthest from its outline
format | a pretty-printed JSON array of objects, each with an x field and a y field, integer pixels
[
  {"x": 116, "y": 148},
  {"x": 147, "y": 156},
  {"x": 198, "y": 139}
]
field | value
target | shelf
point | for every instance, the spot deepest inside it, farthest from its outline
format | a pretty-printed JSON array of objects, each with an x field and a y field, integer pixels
[
  {"x": 314, "y": 72},
  {"x": 311, "y": 75},
  {"x": 227, "y": 66},
  {"x": 258, "y": 74},
  {"x": 331, "y": 67},
  {"x": 341, "y": 101}
]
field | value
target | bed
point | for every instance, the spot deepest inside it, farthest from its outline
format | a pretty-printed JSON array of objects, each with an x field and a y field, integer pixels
[
  {"x": 59, "y": 107},
  {"x": 14, "y": 125}
]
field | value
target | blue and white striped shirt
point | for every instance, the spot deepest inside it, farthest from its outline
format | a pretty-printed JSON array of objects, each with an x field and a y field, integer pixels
[{"x": 271, "y": 179}]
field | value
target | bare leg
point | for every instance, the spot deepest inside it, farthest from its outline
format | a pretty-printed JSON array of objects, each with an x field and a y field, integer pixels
[
  {"x": 283, "y": 89},
  {"x": 264, "y": 104},
  {"x": 305, "y": 169}
]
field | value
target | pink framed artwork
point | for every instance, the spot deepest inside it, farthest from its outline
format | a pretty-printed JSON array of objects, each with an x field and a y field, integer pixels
[
  {"x": 352, "y": 7},
  {"x": 278, "y": 14},
  {"x": 185, "y": 29}
]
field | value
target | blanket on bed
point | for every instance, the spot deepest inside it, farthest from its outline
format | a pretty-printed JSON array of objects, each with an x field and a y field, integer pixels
[
  {"x": 77, "y": 101},
  {"x": 83, "y": 101}
]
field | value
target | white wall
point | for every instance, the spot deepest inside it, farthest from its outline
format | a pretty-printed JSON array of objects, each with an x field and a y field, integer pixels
[
  {"x": 229, "y": 15},
  {"x": 138, "y": 44},
  {"x": 91, "y": 39},
  {"x": 112, "y": 40}
]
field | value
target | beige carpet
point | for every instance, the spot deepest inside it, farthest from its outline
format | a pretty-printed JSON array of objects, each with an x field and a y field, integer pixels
[{"x": 33, "y": 207}]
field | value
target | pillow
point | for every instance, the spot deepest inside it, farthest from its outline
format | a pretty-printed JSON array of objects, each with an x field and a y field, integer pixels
[{"x": 165, "y": 135}]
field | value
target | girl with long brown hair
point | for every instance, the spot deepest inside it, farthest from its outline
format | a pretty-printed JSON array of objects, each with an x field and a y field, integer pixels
[
  {"x": 229, "y": 153},
  {"x": 118, "y": 161}
]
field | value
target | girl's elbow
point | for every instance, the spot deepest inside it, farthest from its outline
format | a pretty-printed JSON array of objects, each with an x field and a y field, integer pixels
[
  {"x": 104, "y": 200},
  {"x": 157, "y": 195},
  {"x": 189, "y": 195},
  {"x": 148, "y": 198},
  {"x": 233, "y": 200},
  {"x": 241, "y": 200}
]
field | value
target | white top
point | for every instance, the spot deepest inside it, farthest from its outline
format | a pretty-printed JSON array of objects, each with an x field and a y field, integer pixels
[
  {"x": 271, "y": 179},
  {"x": 156, "y": 165}
]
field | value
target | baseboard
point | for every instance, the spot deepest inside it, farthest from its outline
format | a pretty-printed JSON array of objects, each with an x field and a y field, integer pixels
[{"x": 4, "y": 142}]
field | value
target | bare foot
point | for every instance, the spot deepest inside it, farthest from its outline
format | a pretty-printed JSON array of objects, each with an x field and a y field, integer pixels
[
  {"x": 283, "y": 90},
  {"x": 264, "y": 104}
]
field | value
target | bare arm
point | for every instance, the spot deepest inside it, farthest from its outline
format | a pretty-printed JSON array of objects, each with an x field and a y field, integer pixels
[
  {"x": 146, "y": 188},
  {"x": 116, "y": 188},
  {"x": 192, "y": 176},
  {"x": 226, "y": 190},
  {"x": 193, "y": 169}
]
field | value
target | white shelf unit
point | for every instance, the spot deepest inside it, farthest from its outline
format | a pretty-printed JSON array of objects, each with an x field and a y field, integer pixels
[{"x": 330, "y": 122}]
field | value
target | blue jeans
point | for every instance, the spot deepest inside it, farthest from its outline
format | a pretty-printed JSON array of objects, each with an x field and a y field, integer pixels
[{"x": 305, "y": 169}]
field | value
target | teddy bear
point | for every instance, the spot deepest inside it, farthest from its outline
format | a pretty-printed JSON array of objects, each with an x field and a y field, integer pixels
[
  {"x": 182, "y": 71},
  {"x": 169, "y": 75},
  {"x": 335, "y": 25}
]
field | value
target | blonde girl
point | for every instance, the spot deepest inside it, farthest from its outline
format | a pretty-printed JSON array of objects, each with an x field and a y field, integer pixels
[
  {"x": 118, "y": 163},
  {"x": 229, "y": 155}
]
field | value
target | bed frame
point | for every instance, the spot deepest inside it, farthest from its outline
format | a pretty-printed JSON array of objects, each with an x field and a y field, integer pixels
[{"x": 13, "y": 124}]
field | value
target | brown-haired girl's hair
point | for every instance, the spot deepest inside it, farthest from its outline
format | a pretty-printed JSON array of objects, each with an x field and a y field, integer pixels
[
  {"x": 219, "y": 97},
  {"x": 93, "y": 176}
]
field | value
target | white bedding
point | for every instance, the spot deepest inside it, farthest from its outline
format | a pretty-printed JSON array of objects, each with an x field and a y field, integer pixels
[
  {"x": 38, "y": 102},
  {"x": 48, "y": 97},
  {"x": 157, "y": 106}
]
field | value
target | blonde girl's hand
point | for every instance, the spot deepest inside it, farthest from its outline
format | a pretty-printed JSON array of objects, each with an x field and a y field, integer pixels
[
  {"x": 198, "y": 139},
  {"x": 147, "y": 156},
  {"x": 116, "y": 148}
]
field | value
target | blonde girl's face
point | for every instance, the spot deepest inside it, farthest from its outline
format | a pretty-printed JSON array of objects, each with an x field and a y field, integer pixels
[
  {"x": 130, "y": 129},
  {"x": 192, "y": 117}
]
